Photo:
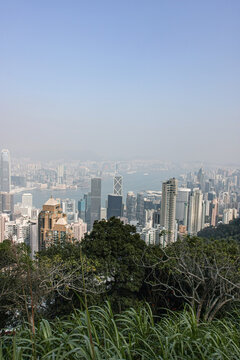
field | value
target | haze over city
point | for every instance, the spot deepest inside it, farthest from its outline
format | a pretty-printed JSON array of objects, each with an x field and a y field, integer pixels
[
  {"x": 120, "y": 80},
  {"x": 119, "y": 179}
]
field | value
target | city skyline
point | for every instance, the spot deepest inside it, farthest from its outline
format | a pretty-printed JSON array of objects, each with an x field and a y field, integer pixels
[
  {"x": 119, "y": 179},
  {"x": 140, "y": 80},
  {"x": 72, "y": 198}
]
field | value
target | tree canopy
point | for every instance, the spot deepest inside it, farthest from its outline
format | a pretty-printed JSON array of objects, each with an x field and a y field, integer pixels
[
  {"x": 222, "y": 231},
  {"x": 117, "y": 248},
  {"x": 203, "y": 273}
]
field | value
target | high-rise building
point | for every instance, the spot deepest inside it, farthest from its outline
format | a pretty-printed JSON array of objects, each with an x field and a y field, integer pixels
[
  {"x": 205, "y": 208},
  {"x": 60, "y": 174},
  {"x": 5, "y": 172},
  {"x": 52, "y": 225},
  {"x": 131, "y": 204},
  {"x": 6, "y": 203},
  {"x": 115, "y": 206},
  {"x": 82, "y": 209},
  {"x": 182, "y": 205},
  {"x": 156, "y": 218},
  {"x": 79, "y": 229},
  {"x": 140, "y": 211},
  {"x": 195, "y": 212},
  {"x": 212, "y": 195},
  {"x": 213, "y": 212},
  {"x": 95, "y": 206},
  {"x": 87, "y": 218},
  {"x": 103, "y": 213},
  {"x": 168, "y": 210},
  {"x": 118, "y": 185},
  {"x": 21, "y": 230},
  {"x": 150, "y": 235},
  {"x": 33, "y": 238},
  {"x": 19, "y": 181},
  {"x": 3, "y": 219},
  {"x": 201, "y": 179},
  {"x": 27, "y": 200},
  {"x": 69, "y": 208},
  {"x": 227, "y": 215}
]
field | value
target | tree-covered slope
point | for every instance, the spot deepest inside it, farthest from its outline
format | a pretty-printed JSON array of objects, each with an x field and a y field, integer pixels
[{"x": 230, "y": 231}]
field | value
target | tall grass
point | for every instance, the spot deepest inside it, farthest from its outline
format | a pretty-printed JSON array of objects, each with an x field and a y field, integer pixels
[{"x": 132, "y": 335}]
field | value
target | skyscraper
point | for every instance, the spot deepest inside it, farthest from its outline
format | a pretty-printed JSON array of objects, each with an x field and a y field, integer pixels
[
  {"x": 27, "y": 200},
  {"x": 168, "y": 209},
  {"x": 182, "y": 205},
  {"x": 6, "y": 203},
  {"x": 195, "y": 212},
  {"x": 33, "y": 237},
  {"x": 60, "y": 174},
  {"x": 5, "y": 171},
  {"x": 118, "y": 185},
  {"x": 114, "y": 206},
  {"x": 69, "y": 208},
  {"x": 213, "y": 212},
  {"x": 140, "y": 212},
  {"x": 87, "y": 217},
  {"x": 200, "y": 177},
  {"x": 131, "y": 204},
  {"x": 95, "y": 206},
  {"x": 82, "y": 209}
]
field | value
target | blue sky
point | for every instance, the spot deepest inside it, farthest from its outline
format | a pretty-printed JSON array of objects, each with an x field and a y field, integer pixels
[{"x": 121, "y": 79}]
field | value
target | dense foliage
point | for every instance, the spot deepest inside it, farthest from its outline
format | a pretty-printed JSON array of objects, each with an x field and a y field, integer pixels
[
  {"x": 15, "y": 271},
  {"x": 113, "y": 264},
  {"x": 202, "y": 273},
  {"x": 116, "y": 250},
  {"x": 131, "y": 335},
  {"x": 222, "y": 231}
]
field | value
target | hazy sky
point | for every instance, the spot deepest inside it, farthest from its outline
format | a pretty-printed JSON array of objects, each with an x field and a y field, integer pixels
[{"x": 121, "y": 79}]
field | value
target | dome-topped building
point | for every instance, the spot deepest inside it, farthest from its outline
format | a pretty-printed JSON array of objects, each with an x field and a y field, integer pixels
[{"x": 52, "y": 225}]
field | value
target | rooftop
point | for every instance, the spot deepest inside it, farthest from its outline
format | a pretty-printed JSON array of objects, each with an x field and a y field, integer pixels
[
  {"x": 51, "y": 202},
  {"x": 61, "y": 221}
]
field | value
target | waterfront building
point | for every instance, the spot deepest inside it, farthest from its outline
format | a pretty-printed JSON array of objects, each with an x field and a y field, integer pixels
[
  {"x": 6, "y": 203},
  {"x": 118, "y": 185},
  {"x": 5, "y": 171},
  {"x": 60, "y": 174},
  {"x": 18, "y": 181},
  {"x": 27, "y": 200},
  {"x": 115, "y": 206}
]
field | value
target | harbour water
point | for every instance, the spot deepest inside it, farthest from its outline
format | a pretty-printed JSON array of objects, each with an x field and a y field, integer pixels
[{"x": 136, "y": 182}]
